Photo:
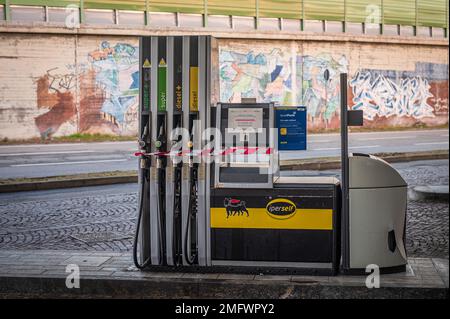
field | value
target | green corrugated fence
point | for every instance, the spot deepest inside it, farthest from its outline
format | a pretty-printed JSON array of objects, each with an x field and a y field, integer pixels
[{"x": 402, "y": 12}]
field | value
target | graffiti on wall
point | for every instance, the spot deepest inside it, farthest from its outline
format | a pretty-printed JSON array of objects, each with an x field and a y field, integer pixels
[
  {"x": 283, "y": 78},
  {"x": 56, "y": 102},
  {"x": 264, "y": 76},
  {"x": 418, "y": 95},
  {"x": 100, "y": 93},
  {"x": 387, "y": 97},
  {"x": 108, "y": 88},
  {"x": 321, "y": 96}
]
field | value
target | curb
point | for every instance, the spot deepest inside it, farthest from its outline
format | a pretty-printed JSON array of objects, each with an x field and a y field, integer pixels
[
  {"x": 307, "y": 164},
  {"x": 335, "y": 162},
  {"x": 67, "y": 183},
  {"x": 52, "y": 287},
  {"x": 429, "y": 192}
]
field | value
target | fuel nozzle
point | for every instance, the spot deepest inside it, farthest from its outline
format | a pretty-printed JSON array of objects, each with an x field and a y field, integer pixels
[
  {"x": 143, "y": 141},
  {"x": 190, "y": 146},
  {"x": 159, "y": 143},
  {"x": 144, "y": 145}
]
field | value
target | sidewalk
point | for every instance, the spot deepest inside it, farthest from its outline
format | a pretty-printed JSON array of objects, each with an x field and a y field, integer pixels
[{"x": 41, "y": 273}]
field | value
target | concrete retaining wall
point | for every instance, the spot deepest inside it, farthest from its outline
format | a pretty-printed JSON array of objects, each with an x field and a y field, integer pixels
[{"x": 60, "y": 84}]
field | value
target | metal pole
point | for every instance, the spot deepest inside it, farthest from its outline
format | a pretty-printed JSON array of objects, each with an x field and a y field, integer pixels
[
  {"x": 256, "y": 14},
  {"x": 147, "y": 9},
  {"x": 302, "y": 21},
  {"x": 7, "y": 10},
  {"x": 205, "y": 13},
  {"x": 344, "y": 172},
  {"x": 81, "y": 11}
]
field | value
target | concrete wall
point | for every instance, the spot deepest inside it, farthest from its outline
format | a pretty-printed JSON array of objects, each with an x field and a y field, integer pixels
[
  {"x": 60, "y": 84},
  {"x": 395, "y": 84}
]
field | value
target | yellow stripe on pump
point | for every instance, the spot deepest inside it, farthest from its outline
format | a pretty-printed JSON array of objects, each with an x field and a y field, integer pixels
[
  {"x": 308, "y": 219},
  {"x": 193, "y": 89}
]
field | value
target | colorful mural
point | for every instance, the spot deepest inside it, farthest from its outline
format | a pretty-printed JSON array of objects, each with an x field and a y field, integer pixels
[
  {"x": 99, "y": 93},
  {"x": 322, "y": 97},
  {"x": 381, "y": 96},
  {"x": 421, "y": 95},
  {"x": 387, "y": 97},
  {"x": 264, "y": 76},
  {"x": 108, "y": 93},
  {"x": 284, "y": 78}
]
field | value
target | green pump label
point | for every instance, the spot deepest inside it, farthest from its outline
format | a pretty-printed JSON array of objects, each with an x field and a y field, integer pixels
[
  {"x": 146, "y": 69},
  {"x": 162, "y": 74}
]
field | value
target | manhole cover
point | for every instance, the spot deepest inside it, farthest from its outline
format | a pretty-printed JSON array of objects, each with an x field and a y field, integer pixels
[{"x": 99, "y": 237}]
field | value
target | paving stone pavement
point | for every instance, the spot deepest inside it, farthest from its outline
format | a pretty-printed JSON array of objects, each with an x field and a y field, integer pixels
[
  {"x": 43, "y": 273},
  {"x": 105, "y": 222}
]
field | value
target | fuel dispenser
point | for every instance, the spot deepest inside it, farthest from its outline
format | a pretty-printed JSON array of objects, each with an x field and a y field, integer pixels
[
  {"x": 211, "y": 196},
  {"x": 374, "y": 199}
]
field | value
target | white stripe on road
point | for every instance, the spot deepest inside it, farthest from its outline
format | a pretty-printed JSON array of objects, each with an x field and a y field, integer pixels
[
  {"x": 69, "y": 163},
  {"x": 385, "y": 138},
  {"x": 326, "y": 149},
  {"x": 68, "y": 144},
  {"x": 432, "y": 143},
  {"x": 324, "y": 141},
  {"x": 45, "y": 153},
  {"x": 338, "y": 148}
]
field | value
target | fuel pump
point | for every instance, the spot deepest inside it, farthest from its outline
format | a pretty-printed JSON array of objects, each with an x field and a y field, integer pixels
[
  {"x": 173, "y": 162},
  {"x": 237, "y": 211},
  {"x": 158, "y": 148},
  {"x": 142, "y": 231},
  {"x": 189, "y": 169}
]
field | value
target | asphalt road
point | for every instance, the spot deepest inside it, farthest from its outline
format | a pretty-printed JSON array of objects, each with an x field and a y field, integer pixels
[
  {"x": 102, "y": 218},
  {"x": 64, "y": 159}
]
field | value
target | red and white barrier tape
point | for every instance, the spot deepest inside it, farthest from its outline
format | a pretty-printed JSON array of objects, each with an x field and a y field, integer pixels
[{"x": 209, "y": 152}]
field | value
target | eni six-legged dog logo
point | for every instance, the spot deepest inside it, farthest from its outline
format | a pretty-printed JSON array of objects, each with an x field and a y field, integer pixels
[{"x": 235, "y": 207}]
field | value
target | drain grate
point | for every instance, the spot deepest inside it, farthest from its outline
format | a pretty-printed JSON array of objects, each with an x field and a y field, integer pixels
[{"x": 90, "y": 238}]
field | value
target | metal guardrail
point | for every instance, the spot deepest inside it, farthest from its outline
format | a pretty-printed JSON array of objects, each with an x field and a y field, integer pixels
[{"x": 428, "y": 13}]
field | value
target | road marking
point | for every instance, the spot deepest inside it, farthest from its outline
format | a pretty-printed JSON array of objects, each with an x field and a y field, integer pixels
[
  {"x": 69, "y": 163},
  {"x": 324, "y": 141},
  {"x": 432, "y": 143},
  {"x": 338, "y": 148},
  {"x": 326, "y": 149},
  {"x": 68, "y": 144},
  {"x": 45, "y": 153},
  {"x": 367, "y": 146},
  {"x": 385, "y": 138}
]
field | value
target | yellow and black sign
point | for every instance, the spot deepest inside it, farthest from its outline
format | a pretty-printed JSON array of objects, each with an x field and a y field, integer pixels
[
  {"x": 280, "y": 213},
  {"x": 292, "y": 223}
]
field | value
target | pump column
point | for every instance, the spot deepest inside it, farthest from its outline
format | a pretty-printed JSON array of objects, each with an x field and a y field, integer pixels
[
  {"x": 170, "y": 186},
  {"x": 198, "y": 142},
  {"x": 159, "y": 136},
  {"x": 144, "y": 144},
  {"x": 185, "y": 184}
]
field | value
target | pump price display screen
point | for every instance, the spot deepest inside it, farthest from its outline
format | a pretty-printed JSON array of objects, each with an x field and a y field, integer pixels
[{"x": 291, "y": 125}]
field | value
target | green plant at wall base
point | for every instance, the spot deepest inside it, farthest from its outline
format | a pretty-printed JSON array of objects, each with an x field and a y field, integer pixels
[
  {"x": 82, "y": 137},
  {"x": 397, "y": 12}
]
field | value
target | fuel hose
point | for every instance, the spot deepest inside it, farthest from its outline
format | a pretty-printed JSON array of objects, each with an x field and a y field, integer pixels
[{"x": 138, "y": 226}]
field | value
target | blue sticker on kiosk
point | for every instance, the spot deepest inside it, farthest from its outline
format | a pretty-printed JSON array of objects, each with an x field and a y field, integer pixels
[{"x": 291, "y": 126}]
